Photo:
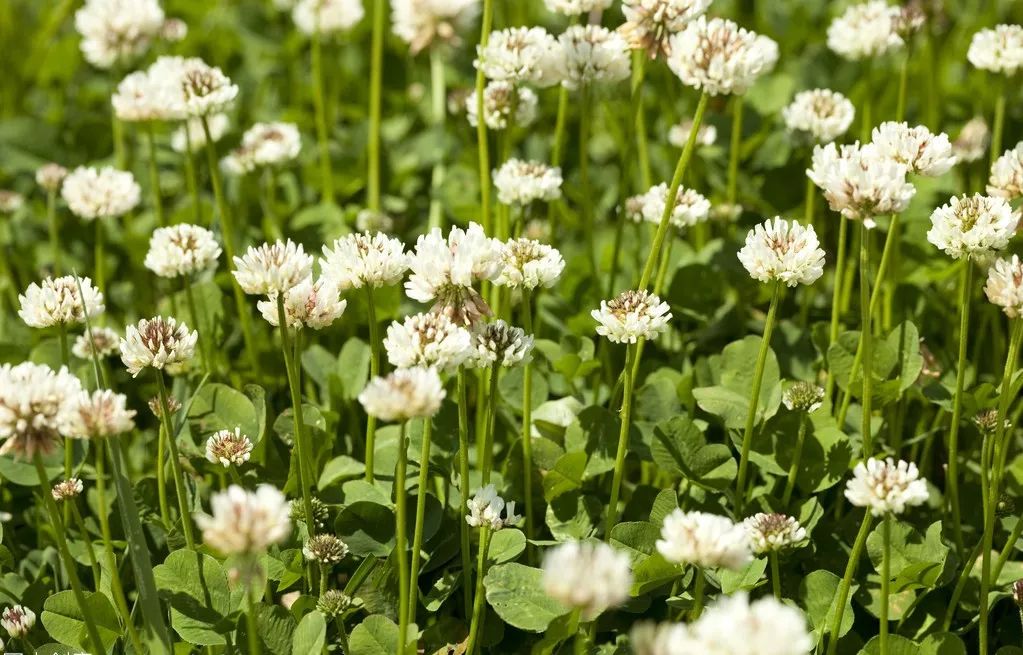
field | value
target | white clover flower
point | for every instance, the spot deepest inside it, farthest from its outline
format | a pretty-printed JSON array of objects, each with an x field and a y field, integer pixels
[
  {"x": 972, "y": 226},
  {"x": 867, "y": 29},
  {"x": 772, "y": 532},
  {"x": 591, "y": 54},
  {"x": 822, "y": 113},
  {"x": 521, "y": 182},
  {"x": 486, "y": 507},
  {"x": 50, "y": 176},
  {"x": 972, "y": 142},
  {"x": 196, "y": 136},
  {"x": 1005, "y": 285},
  {"x": 92, "y": 193},
  {"x": 420, "y": 23},
  {"x": 998, "y": 49},
  {"x": 157, "y": 343},
  {"x": 503, "y": 102},
  {"x": 588, "y": 576},
  {"x": 272, "y": 267},
  {"x": 429, "y": 339},
  {"x": 444, "y": 270},
  {"x": 648, "y": 638},
  {"x": 678, "y": 134},
  {"x": 528, "y": 264},
  {"x": 1006, "y": 179},
  {"x": 36, "y": 407},
  {"x": 245, "y": 522},
  {"x": 100, "y": 415},
  {"x": 519, "y": 54},
  {"x": 859, "y": 181},
  {"x": 181, "y": 250},
  {"x": 364, "y": 260},
  {"x": 631, "y": 316},
  {"x": 371, "y": 222},
  {"x": 922, "y": 152},
  {"x": 575, "y": 7},
  {"x": 691, "y": 208},
  {"x": 57, "y": 301},
  {"x": 206, "y": 90},
  {"x": 228, "y": 448},
  {"x": 264, "y": 144},
  {"x": 325, "y": 549},
  {"x": 407, "y": 393},
  {"x": 104, "y": 342},
  {"x": 732, "y": 625},
  {"x": 10, "y": 201},
  {"x": 17, "y": 620},
  {"x": 309, "y": 304},
  {"x": 886, "y": 486},
  {"x": 500, "y": 344},
  {"x": 66, "y": 490},
  {"x": 174, "y": 30},
  {"x": 803, "y": 397},
  {"x": 650, "y": 24},
  {"x": 326, "y": 17},
  {"x": 142, "y": 97},
  {"x": 704, "y": 540},
  {"x": 115, "y": 31},
  {"x": 784, "y": 251},
  {"x": 718, "y": 57}
]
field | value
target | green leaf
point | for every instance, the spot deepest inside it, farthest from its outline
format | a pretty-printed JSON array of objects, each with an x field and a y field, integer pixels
[
  {"x": 219, "y": 407},
  {"x": 63, "y": 619},
  {"x": 744, "y": 579},
  {"x": 637, "y": 538},
  {"x": 897, "y": 645},
  {"x": 339, "y": 469},
  {"x": 818, "y": 593},
  {"x": 310, "y": 634},
  {"x": 515, "y": 591},
  {"x": 353, "y": 368},
  {"x": 680, "y": 448},
  {"x": 506, "y": 545},
  {"x": 195, "y": 586},
  {"x": 917, "y": 561},
  {"x": 367, "y": 528},
  {"x": 276, "y": 627},
  {"x": 566, "y": 476},
  {"x": 376, "y": 635}
]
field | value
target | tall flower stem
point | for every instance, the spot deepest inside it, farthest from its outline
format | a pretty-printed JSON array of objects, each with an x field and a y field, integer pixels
[
  {"x": 204, "y": 353},
  {"x": 486, "y": 455},
  {"x": 305, "y": 469},
  {"x": 775, "y": 574},
  {"x": 251, "y": 619},
  {"x": 629, "y": 382},
  {"x": 586, "y": 202},
  {"x": 192, "y": 175},
  {"x": 479, "y": 608},
  {"x": 754, "y": 401},
  {"x": 161, "y": 477},
  {"x": 90, "y": 549},
  {"x": 227, "y": 227},
  {"x": 797, "y": 454},
  {"x": 836, "y": 294},
  {"x": 999, "y": 123},
  {"x": 639, "y": 59},
  {"x": 401, "y": 540},
  {"x": 735, "y": 145},
  {"x": 54, "y": 227},
  {"x": 154, "y": 175},
  {"x": 65, "y": 555},
  {"x": 886, "y": 557},
  {"x": 322, "y": 120},
  {"x": 99, "y": 255},
  {"x": 669, "y": 206},
  {"x": 699, "y": 590},
  {"x": 835, "y": 626},
  {"x": 438, "y": 107},
  {"x": 463, "y": 482},
  {"x": 481, "y": 124},
  {"x": 866, "y": 334},
  {"x": 179, "y": 479},
  {"x": 69, "y": 444},
  {"x": 376, "y": 78},
  {"x": 417, "y": 539},
  {"x": 374, "y": 370},
  {"x": 965, "y": 284},
  {"x": 527, "y": 425}
]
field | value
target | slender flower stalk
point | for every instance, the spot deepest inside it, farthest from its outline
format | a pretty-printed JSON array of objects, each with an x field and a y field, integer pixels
[
  {"x": 486, "y": 443},
  {"x": 835, "y": 625},
  {"x": 965, "y": 284},
  {"x": 735, "y": 145},
  {"x": 999, "y": 123},
  {"x": 322, "y": 120},
  {"x": 586, "y": 202},
  {"x": 886, "y": 563},
  {"x": 179, "y": 479},
  {"x": 154, "y": 175},
  {"x": 463, "y": 480},
  {"x": 629, "y": 382},
  {"x": 401, "y": 539},
  {"x": 53, "y": 223},
  {"x": 482, "y": 146},
  {"x": 251, "y": 620},
  {"x": 197, "y": 321},
  {"x": 479, "y": 606},
  {"x": 438, "y": 106},
  {"x": 374, "y": 370},
  {"x": 420, "y": 525},
  {"x": 836, "y": 295},
  {"x": 527, "y": 423},
  {"x": 866, "y": 334},
  {"x": 192, "y": 176},
  {"x": 376, "y": 76},
  {"x": 775, "y": 574}
]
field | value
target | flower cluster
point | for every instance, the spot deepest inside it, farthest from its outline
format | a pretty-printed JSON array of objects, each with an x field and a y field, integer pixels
[
  {"x": 922, "y": 152},
  {"x": 504, "y": 103},
  {"x": 421, "y": 23},
  {"x": 972, "y": 226},
  {"x": 115, "y": 31},
  {"x": 92, "y": 193},
  {"x": 519, "y": 54},
  {"x": 771, "y": 532},
  {"x": 590, "y": 577},
  {"x": 272, "y": 268},
  {"x": 404, "y": 394},
  {"x": 886, "y": 486},
  {"x": 428, "y": 339},
  {"x": 865, "y": 30},
  {"x": 245, "y": 522},
  {"x": 998, "y": 49},
  {"x": 181, "y": 250},
  {"x": 718, "y": 57},
  {"x": 326, "y": 17},
  {"x": 37, "y": 407},
  {"x": 1006, "y": 179},
  {"x": 591, "y": 54},
  {"x": 486, "y": 509},
  {"x": 822, "y": 113},
  {"x": 364, "y": 260},
  {"x": 100, "y": 415},
  {"x": 860, "y": 181},
  {"x": 310, "y": 303},
  {"x": 650, "y": 24},
  {"x": 690, "y": 207},
  {"x": 157, "y": 343},
  {"x": 529, "y": 264},
  {"x": 784, "y": 251},
  {"x": 704, "y": 540},
  {"x": 631, "y": 316},
  {"x": 500, "y": 344},
  {"x": 60, "y": 301},
  {"x": 522, "y": 182},
  {"x": 1004, "y": 285},
  {"x": 264, "y": 144},
  {"x": 228, "y": 448}
]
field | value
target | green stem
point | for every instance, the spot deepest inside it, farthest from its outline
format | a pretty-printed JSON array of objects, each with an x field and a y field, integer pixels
[
  {"x": 194, "y": 315},
  {"x": 999, "y": 123},
  {"x": 481, "y": 124},
  {"x": 662, "y": 268},
  {"x": 161, "y": 476},
  {"x": 808, "y": 205},
  {"x": 99, "y": 255},
  {"x": 295, "y": 388},
  {"x": 252, "y": 620},
  {"x": 754, "y": 402},
  {"x": 699, "y": 590},
  {"x": 1008, "y": 549},
  {"x": 560, "y": 127},
  {"x": 843, "y": 588},
  {"x": 775, "y": 574},
  {"x": 639, "y": 59},
  {"x": 463, "y": 483},
  {"x": 374, "y": 370},
  {"x": 322, "y": 132},
  {"x": 886, "y": 556},
  {"x": 527, "y": 426},
  {"x": 487, "y": 457},
  {"x": 479, "y": 609},
  {"x": 586, "y": 202},
  {"x": 733, "y": 149},
  {"x": 867, "y": 334},
  {"x": 401, "y": 539},
  {"x": 59, "y": 533},
  {"x": 966, "y": 281},
  {"x": 417, "y": 540},
  {"x": 154, "y": 175},
  {"x": 179, "y": 480},
  {"x": 375, "y": 103},
  {"x": 900, "y": 105},
  {"x": 438, "y": 98},
  {"x": 676, "y": 183},
  {"x": 790, "y": 483},
  {"x": 836, "y": 294},
  {"x": 957, "y": 592},
  {"x": 192, "y": 175},
  {"x": 54, "y": 226},
  {"x": 79, "y": 522},
  {"x": 629, "y": 379}
]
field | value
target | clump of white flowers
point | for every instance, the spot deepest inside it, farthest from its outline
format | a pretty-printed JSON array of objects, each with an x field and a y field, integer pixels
[
  {"x": 972, "y": 142},
  {"x": 157, "y": 343},
  {"x": 690, "y": 206},
  {"x": 886, "y": 486},
  {"x": 500, "y": 344},
  {"x": 998, "y": 49},
  {"x": 679, "y": 133},
  {"x": 631, "y": 315},
  {"x": 866, "y": 29},
  {"x": 503, "y": 103},
  {"x": 422, "y": 23},
  {"x": 650, "y": 24},
  {"x": 59, "y": 301},
  {"x": 116, "y": 31},
  {"x": 180, "y": 250},
  {"x": 99, "y": 340},
  {"x": 860, "y": 181},
  {"x": 100, "y": 415},
  {"x": 228, "y": 448},
  {"x": 589, "y": 55},
  {"x": 92, "y": 193},
  {"x": 245, "y": 522},
  {"x": 50, "y": 176},
  {"x": 772, "y": 532},
  {"x": 407, "y": 393},
  {"x": 313, "y": 304},
  {"x": 428, "y": 339},
  {"x": 17, "y": 620},
  {"x": 10, "y": 201},
  {"x": 191, "y": 137},
  {"x": 142, "y": 96},
  {"x": 364, "y": 260},
  {"x": 325, "y": 549},
  {"x": 67, "y": 489},
  {"x": 1006, "y": 180},
  {"x": 1004, "y": 285},
  {"x": 718, "y": 57},
  {"x": 264, "y": 144},
  {"x": 327, "y": 17},
  {"x": 704, "y": 540},
  {"x": 803, "y": 397},
  {"x": 732, "y": 625},
  {"x": 519, "y": 54},
  {"x": 486, "y": 509},
  {"x": 922, "y": 152},
  {"x": 528, "y": 264},
  {"x": 575, "y": 7},
  {"x": 587, "y": 576},
  {"x": 521, "y": 182},
  {"x": 822, "y": 113},
  {"x": 272, "y": 267},
  {"x": 972, "y": 226},
  {"x": 206, "y": 90},
  {"x": 784, "y": 251},
  {"x": 37, "y": 405}
]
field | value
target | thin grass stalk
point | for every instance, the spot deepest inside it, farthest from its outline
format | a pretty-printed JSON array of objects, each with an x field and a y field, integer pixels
[
  {"x": 483, "y": 150},
  {"x": 527, "y": 426},
  {"x": 835, "y": 625},
  {"x": 374, "y": 370},
  {"x": 479, "y": 607},
  {"x": 179, "y": 479},
  {"x": 192, "y": 176},
  {"x": 487, "y": 442},
  {"x": 586, "y": 201},
  {"x": 438, "y": 106},
  {"x": 629, "y": 376},
  {"x": 154, "y": 175},
  {"x": 735, "y": 145},
  {"x": 965, "y": 282},
  {"x": 401, "y": 539},
  {"x": 99, "y": 255},
  {"x": 836, "y": 293},
  {"x": 999, "y": 123},
  {"x": 886, "y": 557},
  {"x": 463, "y": 483},
  {"x": 251, "y": 620},
  {"x": 867, "y": 335},
  {"x": 420, "y": 525},
  {"x": 322, "y": 121},
  {"x": 57, "y": 252},
  {"x": 376, "y": 78},
  {"x": 204, "y": 352},
  {"x": 775, "y": 574},
  {"x": 790, "y": 482},
  {"x": 76, "y": 518}
]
